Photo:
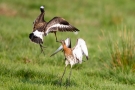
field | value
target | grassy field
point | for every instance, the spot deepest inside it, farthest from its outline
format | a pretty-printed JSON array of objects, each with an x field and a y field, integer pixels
[{"x": 107, "y": 26}]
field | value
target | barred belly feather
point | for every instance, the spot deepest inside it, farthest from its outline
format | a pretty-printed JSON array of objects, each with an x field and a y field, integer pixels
[
  {"x": 70, "y": 59},
  {"x": 72, "y": 55}
]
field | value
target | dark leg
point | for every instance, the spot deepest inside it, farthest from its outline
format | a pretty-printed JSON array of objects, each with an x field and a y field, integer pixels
[
  {"x": 55, "y": 36},
  {"x": 62, "y": 75},
  {"x": 69, "y": 77},
  {"x": 41, "y": 46}
]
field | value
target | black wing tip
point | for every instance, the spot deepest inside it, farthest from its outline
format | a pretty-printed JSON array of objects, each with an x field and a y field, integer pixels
[
  {"x": 74, "y": 28},
  {"x": 42, "y": 8},
  {"x": 77, "y": 30}
]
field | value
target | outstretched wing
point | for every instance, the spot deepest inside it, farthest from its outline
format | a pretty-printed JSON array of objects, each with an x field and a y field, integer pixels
[
  {"x": 68, "y": 44},
  {"x": 39, "y": 23},
  {"x": 80, "y": 49},
  {"x": 59, "y": 24}
]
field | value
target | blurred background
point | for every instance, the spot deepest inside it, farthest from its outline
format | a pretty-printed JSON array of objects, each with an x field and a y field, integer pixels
[{"x": 107, "y": 26}]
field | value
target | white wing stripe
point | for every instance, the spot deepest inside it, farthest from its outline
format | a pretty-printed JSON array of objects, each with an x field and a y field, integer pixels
[{"x": 56, "y": 25}]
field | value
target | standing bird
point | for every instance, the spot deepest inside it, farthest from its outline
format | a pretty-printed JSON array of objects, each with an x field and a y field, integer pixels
[
  {"x": 72, "y": 55},
  {"x": 42, "y": 28}
]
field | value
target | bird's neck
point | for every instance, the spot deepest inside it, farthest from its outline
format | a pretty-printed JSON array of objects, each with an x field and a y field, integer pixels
[{"x": 66, "y": 49}]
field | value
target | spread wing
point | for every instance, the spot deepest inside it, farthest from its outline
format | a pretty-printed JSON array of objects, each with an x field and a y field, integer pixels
[
  {"x": 39, "y": 23},
  {"x": 68, "y": 44},
  {"x": 80, "y": 49},
  {"x": 59, "y": 24}
]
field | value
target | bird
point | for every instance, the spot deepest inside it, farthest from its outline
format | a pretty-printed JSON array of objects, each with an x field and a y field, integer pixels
[
  {"x": 42, "y": 28},
  {"x": 72, "y": 55}
]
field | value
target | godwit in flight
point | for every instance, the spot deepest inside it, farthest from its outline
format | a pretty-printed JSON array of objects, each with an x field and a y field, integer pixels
[
  {"x": 42, "y": 28},
  {"x": 72, "y": 55}
]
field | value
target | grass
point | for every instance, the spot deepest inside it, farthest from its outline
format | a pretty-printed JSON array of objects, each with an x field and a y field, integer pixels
[
  {"x": 22, "y": 67},
  {"x": 122, "y": 51}
]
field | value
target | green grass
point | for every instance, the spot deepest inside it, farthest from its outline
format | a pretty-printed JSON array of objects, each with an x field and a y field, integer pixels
[
  {"x": 122, "y": 50},
  {"x": 22, "y": 67}
]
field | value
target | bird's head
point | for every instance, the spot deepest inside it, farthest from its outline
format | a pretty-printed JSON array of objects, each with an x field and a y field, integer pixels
[
  {"x": 66, "y": 42},
  {"x": 62, "y": 42}
]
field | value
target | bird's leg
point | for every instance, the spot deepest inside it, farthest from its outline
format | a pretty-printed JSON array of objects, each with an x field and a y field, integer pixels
[
  {"x": 62, "y": 75},
  {"x": 56, "y": 37},
  {"x": 41, "y": 47},
  {"x": 69, "y": 77}
]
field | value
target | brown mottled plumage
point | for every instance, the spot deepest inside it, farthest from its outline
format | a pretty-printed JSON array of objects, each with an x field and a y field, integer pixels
[
  {"x": 54, "y": 25},
  {"x": 42, "y": 28}
]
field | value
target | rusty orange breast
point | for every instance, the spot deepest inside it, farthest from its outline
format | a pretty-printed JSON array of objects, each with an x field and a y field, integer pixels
[{"x": 67, "y": 50}]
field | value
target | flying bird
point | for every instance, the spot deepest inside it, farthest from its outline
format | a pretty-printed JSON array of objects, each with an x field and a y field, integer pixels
[
  {"x": 42, "y": 28},
  {"x": 72, "y": 55}
]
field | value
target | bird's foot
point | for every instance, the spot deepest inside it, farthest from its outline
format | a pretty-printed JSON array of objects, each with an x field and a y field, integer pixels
[
  {"x": 41, "y": 47},
  {"x": 67, "y": 83},
  {"x": 57, "y": 41}
]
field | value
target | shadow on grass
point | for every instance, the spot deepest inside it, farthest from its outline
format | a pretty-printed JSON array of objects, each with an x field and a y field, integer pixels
[{"x": 51, "y": 80}]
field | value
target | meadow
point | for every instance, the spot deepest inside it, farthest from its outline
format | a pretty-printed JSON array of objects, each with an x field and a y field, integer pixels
[{"x": 107, "y": 26}]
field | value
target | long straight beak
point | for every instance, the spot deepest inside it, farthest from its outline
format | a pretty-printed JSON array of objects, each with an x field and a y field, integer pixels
[
  {"x": 59, "y": 49},
  {"x": 68, "y": 43}
]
